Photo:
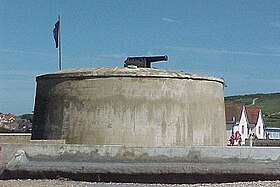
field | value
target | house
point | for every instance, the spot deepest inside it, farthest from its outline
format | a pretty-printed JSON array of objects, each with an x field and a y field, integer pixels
[
  {"x": 255, "y": 121},
  {"x": 241, "y": 121},
  {"x": 7, "y": 118}
]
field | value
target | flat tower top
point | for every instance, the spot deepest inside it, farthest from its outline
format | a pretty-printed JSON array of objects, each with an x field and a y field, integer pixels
[{"x": 125, "y": 72}]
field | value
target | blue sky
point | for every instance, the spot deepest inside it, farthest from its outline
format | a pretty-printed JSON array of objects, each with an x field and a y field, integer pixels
[{"x": 236, "y": 40}]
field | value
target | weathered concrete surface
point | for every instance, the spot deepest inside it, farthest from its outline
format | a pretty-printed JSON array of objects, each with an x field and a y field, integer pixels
[
  {"x": 136, "y": 160},
  {"x": 131, "y": 107}
]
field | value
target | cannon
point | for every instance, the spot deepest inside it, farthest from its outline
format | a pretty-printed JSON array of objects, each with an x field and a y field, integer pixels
[{"x": 143, "y": 62}]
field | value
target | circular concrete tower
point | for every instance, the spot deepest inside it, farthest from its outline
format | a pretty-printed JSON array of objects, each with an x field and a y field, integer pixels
[{"x": 130, "y": 107}]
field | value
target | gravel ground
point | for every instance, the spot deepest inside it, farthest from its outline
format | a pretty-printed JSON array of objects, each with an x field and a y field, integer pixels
[{"x": 68, "y": 183}]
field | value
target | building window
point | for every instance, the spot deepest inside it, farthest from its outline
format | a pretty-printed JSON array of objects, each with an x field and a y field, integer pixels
[
  {"x": 259, "y": 130},
  {"x": 242, "y": 130}
]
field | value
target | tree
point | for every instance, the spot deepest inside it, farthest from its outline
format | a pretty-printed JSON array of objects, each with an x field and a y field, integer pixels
[{"x": 28, "y": 117}]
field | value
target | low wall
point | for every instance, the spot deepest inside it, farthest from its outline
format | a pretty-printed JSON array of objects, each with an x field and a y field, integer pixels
[
  {"x": 138, "y": 160},
  {"x": 15, "y": 137},
  {"x": 22, "y": 138}
]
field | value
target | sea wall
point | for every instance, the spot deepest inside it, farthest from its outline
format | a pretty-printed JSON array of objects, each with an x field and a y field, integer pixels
[{"x": 136, "y": 160}]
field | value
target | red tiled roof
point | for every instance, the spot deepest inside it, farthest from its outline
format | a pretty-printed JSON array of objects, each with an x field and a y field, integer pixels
[
  {"x": 7, "y": 116},
  {"x": 253, "y": 114},
  {"x": 233, "y": 112}
]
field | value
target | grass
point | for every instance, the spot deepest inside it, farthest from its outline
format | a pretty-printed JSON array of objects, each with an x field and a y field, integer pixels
[{"x": 269, "y": 103}]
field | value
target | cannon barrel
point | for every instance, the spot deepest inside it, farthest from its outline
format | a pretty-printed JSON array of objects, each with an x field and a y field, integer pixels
[{"x": 144, "y": 62}]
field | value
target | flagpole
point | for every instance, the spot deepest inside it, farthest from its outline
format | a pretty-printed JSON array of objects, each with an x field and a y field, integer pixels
[{"x": 59, "y": 44}]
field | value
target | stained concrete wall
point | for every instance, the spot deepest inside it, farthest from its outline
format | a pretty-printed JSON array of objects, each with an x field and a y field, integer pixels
[{"x": 132, "y": 108}]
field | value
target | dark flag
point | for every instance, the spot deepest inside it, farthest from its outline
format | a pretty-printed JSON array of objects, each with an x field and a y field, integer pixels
[{"x": 55, "y": 33}]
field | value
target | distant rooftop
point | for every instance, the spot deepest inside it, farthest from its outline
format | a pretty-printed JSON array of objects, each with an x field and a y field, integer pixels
[
  {"x": 272, "y": 128},
  {"x": 233, "y": 113}
]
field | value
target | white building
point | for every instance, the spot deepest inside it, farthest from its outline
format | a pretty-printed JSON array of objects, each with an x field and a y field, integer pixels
[{"x": 244, "y": 120}]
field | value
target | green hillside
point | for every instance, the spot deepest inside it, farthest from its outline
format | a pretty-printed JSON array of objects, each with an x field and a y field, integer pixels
[{"x": 269, "y": 103}]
